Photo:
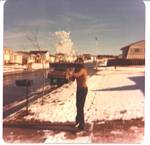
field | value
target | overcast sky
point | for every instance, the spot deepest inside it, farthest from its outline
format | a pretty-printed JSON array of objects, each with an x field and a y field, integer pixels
[{"x": 114, "y": 23}]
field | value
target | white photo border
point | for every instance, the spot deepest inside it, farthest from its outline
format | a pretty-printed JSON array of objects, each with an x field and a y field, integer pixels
[{"x": 147, "y": 70}]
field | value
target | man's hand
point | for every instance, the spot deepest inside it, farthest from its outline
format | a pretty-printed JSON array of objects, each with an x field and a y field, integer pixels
[{"x": 69, "y": 75}]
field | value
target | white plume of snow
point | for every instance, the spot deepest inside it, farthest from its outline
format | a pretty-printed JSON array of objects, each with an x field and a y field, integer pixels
[{"x": 63, "y": 43}]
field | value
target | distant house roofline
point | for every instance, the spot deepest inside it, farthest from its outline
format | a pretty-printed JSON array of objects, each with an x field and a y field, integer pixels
[
  {"x": 22, "y": 52},
  {"x": 63, "y": 54},
  {"x": 52, "y": 55},
  {"x": 88, "y": 55},
  {"x": 37, "y": 52},
  {"x": 127, "y": 46},
  {"x": 105, "y": 55},
  {"x": 7, "y": 48}
]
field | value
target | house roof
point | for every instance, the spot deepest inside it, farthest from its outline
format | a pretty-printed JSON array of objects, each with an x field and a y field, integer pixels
[
  {"x": 10, "y": 49},
  {"x": 38, "y": 52},
  {"x": 106, "y": 55},
  {"x": 139, "y": 43},
  {"x": 51, "y": 55},
  {"x": 22, "y": 52},
  {"x": 88, "y": 55},
  {"x": 60, "y": 54}
]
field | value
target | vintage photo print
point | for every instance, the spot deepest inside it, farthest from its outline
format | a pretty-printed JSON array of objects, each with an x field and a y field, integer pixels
[{"x": 74, "y": 71}]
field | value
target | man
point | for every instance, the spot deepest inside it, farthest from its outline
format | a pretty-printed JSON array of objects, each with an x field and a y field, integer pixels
[{"x": 80, "y": 74}]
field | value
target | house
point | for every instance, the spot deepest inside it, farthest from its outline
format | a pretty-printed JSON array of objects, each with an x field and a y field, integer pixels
[
  {"x": 51, "y": 58},
  {"x": 23, "y": 57},
  {"x": 132, "y": 54},
  {"x": 8, "y": 55},
  {"x": 106, "y": 56},
  {"x": 89, "y": 57},
  {"x": 26, "y": 57},
  {"x": 103, "y": 59},
  {"x": 61, "y": 57},
  {"x": 134, "y": 51},
  {"x": 17, "y": 58},
  {"x": 40, "y": 56}
]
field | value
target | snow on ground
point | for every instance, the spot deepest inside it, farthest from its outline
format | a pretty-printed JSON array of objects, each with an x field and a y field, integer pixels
[
  {"x": 113, "y": 94},
  {"x": 101, "y": 102},
  {"x": 39, "y": 65},
  {"x": 20, "y": 68},
  {"x": 13, "y": 68}
]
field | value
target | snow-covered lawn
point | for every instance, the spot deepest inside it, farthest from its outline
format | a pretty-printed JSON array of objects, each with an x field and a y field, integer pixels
[
  {"x": 20, "y": 68},
  {"x": 112, "y": 94},
  {"x": 13, "y": 68}
]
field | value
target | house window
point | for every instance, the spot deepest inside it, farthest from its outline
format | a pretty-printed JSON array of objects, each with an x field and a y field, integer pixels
[{"x": 136, "y": 50}]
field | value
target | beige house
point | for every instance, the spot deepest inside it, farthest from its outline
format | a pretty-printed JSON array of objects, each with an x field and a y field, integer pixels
[
  {"x": 51, "y": 58},
  {"x": 103, "y": 59},
  {"x": 8, "y": 55},
  {"x": 61, "y": 57},
  {"x": 17, "y": 58},
  {"x": 106, "y": 56},
  {"x": 89, "y": 57},
  {"x": 26, "y": 57},
  {"x": 134, "y": 51},
  {"x": 39, "y": 55}
]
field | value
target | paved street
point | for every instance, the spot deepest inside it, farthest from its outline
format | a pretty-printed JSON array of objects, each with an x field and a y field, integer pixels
[{"x": 13, "y": 93}]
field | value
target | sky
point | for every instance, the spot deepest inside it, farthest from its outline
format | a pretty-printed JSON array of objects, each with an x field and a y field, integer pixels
[{"x": 95, "y": 26}]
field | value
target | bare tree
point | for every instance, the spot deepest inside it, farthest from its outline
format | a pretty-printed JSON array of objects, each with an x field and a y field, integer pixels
[{"x": 33, "y": 38}]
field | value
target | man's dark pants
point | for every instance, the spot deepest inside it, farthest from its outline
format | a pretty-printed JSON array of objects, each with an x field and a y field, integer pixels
[{"x": 80, "y": 101}]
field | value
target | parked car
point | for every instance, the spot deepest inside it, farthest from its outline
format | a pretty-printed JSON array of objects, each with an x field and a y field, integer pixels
[{"x": 58, "y": 73}]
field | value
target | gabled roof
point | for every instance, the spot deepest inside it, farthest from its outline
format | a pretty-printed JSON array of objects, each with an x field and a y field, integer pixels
[{"x": 135, "y": 43}]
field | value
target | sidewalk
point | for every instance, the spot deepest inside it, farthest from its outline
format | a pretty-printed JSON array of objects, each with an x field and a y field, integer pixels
[{"x": 114, "y": 109}]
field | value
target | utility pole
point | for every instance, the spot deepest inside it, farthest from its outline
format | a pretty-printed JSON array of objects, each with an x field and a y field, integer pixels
[{"x": 96, "y": 45}]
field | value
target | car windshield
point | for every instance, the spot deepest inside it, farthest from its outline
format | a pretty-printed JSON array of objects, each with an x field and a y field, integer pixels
[{"x": 58, "y": 68}]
